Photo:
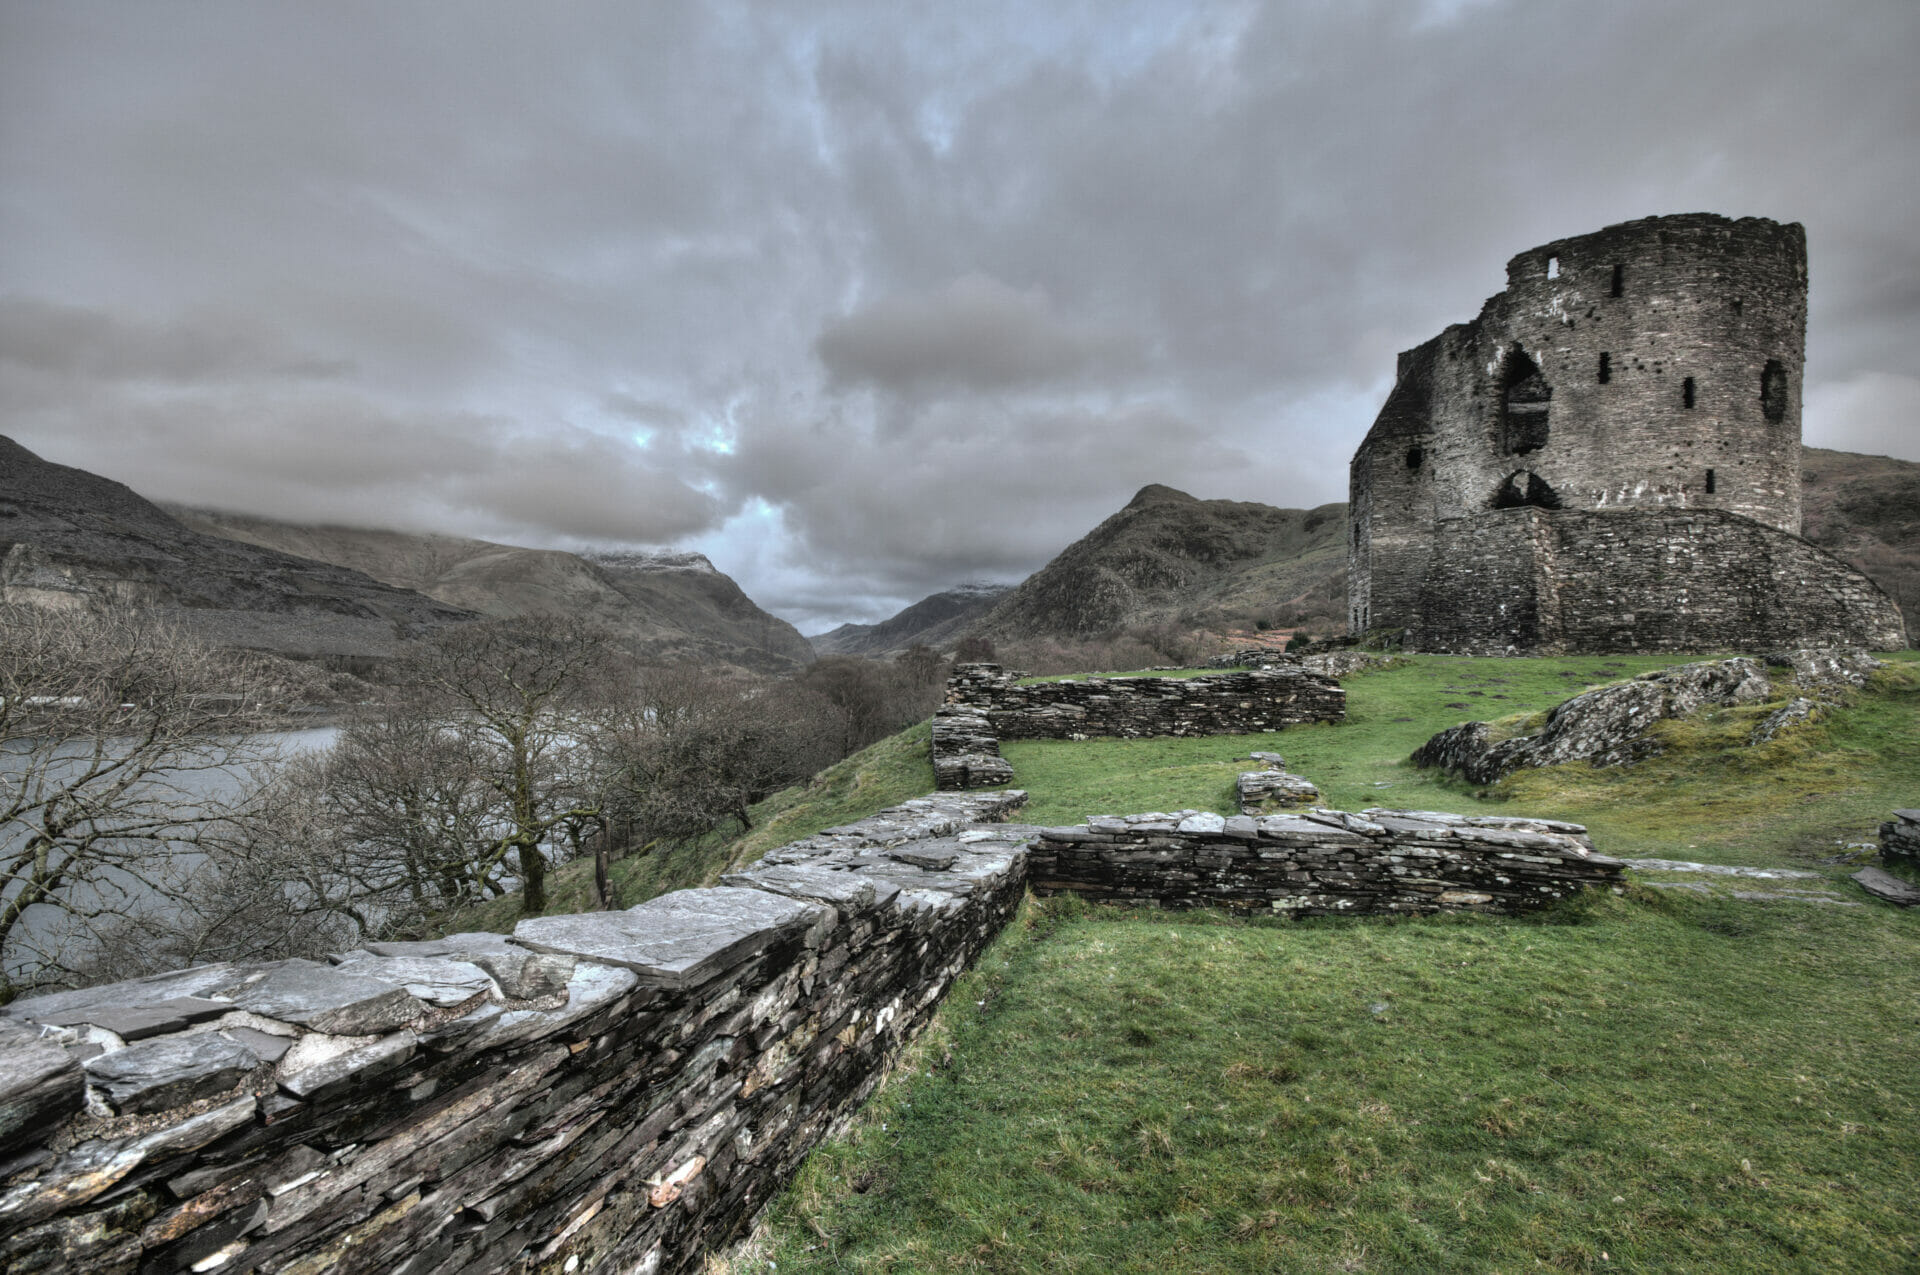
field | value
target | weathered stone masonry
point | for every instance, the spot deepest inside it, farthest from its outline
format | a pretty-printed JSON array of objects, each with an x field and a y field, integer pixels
[
  {"x": 986, "y": 704},
  {"x": 1608, "y": 459},
  {"x": 615, "y": 1091},
  {"x": 1322, "y": 862},
  {"x": 1141, "y": 707}
]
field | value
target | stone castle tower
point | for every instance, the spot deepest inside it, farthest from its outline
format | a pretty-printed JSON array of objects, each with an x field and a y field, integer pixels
[{"x": 1608, "y": 458}]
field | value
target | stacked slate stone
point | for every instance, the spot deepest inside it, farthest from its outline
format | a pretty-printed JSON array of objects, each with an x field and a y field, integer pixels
[
  {"x": 614, "y": 1091},
  {"x": 1900, "y": 836},
  {"x": 966, "y": 752},
  {"x": 1275, "y": 788},
  {"x": 1322, "y": 862},
  {"x": 1146, "y": 707}
]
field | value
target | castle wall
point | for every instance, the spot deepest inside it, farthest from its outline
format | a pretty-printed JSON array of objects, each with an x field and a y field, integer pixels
[
  {"x": 1668, "y": 580},
  {"x": 1653, "y": 367}
]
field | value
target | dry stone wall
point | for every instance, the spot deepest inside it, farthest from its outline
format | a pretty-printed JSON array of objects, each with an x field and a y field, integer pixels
[
  {"x": 1321, "y": 862},
  {"x": 1237, "y": 703},
  {"x": 614, "y": 1091}
]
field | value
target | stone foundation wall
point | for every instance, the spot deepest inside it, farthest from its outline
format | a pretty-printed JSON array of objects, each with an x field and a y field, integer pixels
[
  {"x": 966, "y": 752},
  {"x": 615, "y": 1091},
  {"x": 1144, "y": 707},
  {"x": 1322, "y": 862}
]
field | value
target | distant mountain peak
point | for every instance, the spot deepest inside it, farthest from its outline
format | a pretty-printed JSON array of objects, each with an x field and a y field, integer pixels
[{"x": 1159, "y": 494}]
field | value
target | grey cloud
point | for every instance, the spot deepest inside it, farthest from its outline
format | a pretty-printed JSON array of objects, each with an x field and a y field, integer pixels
[
  {"x": 897, "y": 295},
  {"x": 974, "y": 333},
  {"x": 75, "y": 341}
]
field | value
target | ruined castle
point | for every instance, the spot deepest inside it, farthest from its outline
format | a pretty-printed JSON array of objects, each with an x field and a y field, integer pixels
[{"x": 1608, "y": 459}]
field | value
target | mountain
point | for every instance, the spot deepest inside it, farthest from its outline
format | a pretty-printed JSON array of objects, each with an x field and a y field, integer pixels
[
  {"x": 667, "y": 606},
  {"x": 1866, "y": 511},
  {"x": 1170, "y": 558},
  {"x": 937, "y": 620},
  {"x": 67, "y": 536}
]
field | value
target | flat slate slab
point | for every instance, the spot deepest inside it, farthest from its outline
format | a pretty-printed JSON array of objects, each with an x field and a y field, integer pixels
[
  {"x": 195, "y": 982},
  {"x": 678, "y": 939},
  {"x": 1884, "y": 885},
  {"x": 171, "y": 1071},
  {"x": 140, "y": 1021},
  {"x": 39, "y": 1084},
  {"x": 320, "y": 997}
]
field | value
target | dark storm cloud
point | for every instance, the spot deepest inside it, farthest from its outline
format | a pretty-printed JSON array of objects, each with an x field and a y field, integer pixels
[{"x": 866, "y": 299}]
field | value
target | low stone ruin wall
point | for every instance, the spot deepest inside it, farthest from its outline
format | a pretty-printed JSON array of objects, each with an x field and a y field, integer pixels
[
  {"x": 613, "y": 1091},
  {"x": 1322, "y": 862},
  {"x": 1238, "y": 703}
]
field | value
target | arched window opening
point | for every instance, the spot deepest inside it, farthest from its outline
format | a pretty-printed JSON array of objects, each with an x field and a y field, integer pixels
[
  {"x": 1523, "y": 487},
  {"x": 1415, "y": 454},
  {"x": 1686, "y": 392},
  {"x": 1524, "y": 397},
  {"x": 1773, "y": 391}
]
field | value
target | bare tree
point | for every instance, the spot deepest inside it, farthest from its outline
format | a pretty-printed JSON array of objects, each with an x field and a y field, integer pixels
[
  {"x": 517, "y": 694},
  {"x": 126, "y": 750}
]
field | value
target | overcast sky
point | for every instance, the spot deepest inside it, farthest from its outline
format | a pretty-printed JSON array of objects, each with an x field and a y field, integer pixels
[{"x": 866, "y": 300}]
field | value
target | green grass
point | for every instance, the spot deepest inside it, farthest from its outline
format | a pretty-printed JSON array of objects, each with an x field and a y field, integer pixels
[
  {"x": 1708, "y": 798},
  {"x": 1649, "y": 1084},
  {"x": 1652, "y": 1082}
]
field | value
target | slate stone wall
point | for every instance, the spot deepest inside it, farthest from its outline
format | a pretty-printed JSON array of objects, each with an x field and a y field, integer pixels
[
  {"x": 966, "y": 752},
  {"x": 1652, "y": 367},
  {"x": 1322, "y": 862},
  {"x": 1145, "y": 707},
  {"x": 605, "y": 1092},
  {"x": 1650, "y": 580}
]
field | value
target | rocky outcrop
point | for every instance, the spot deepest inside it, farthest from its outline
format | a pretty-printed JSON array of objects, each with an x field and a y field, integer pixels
[
  {"x": 1145, "y": 707},
  {"x": 1609, "y": 726},
  {"x": 614, "y": 1091},
  {"x": 1322, "y": 862}
]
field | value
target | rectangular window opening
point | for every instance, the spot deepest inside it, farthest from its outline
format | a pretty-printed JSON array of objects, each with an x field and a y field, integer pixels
[
  {"x": 1553, "y": 267},
  {"x": 1709, "y": 482},
  {"x": 1606, "y": 367},
  {"x": 1619, "y": 280},
  {"x": 1686, "y": 392}
]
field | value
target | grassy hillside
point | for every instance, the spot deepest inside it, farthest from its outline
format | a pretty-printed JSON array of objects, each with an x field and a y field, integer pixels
[{"x": 1660, "y": 1081}]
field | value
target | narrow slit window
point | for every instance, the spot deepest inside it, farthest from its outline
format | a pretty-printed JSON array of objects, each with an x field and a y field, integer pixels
[
  {"x": 1415, "y": 454},
  {"x": 1686, "y": 392},
  {"x": 1619, "y": 280},
  {"x": 1709, "y": 482},
  {"x": 1553, "y": 267},
  {"x": 1606, "y": 367}
]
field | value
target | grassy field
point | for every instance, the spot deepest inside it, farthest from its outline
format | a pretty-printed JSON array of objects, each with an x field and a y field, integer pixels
[{"x": 1651, "y": 1082}]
